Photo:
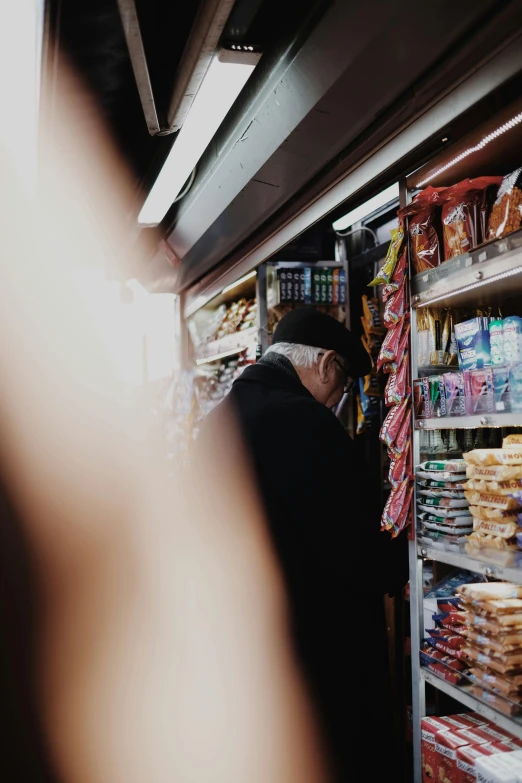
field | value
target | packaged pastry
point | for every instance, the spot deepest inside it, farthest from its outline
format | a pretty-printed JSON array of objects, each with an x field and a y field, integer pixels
[
  {"x": 494, "y": 487},
  {"x": 498, "y": 703},
  {"x": 499, "y": 644},
  {"x": 506, "y": 530},
  {"x": 506, "y": 212},
  {"x": 486, "y": 512},
  {"x": 476, "y": 655},
  {"x": 512, "y": 440},
  {"x": 486, "y": 591},
  {"x": 494, "y": 472},
  {"x": 463, "y": 214},
  {"x": 478, "y": 540},
  {"x": 393, "y": 421},
  {"x": 424, "y": 229},
  {"x": 502, "y": 502},
  {"x": 509, "y": 456},
  {"x": 508, "y": 685},
  {"x": 386, "y": 271}
]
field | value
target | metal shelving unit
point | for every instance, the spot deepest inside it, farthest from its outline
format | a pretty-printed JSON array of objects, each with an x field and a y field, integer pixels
[
  {"x": 488, "y": 275},
  {"x": 226, "y": 346}
]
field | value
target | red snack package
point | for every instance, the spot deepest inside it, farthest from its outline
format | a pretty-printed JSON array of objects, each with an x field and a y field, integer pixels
[
  {"x": 398, "y": 468},
  {"x": 464, "y": 214},
  {"x": 424, "y": 228},
  {"x": 404, "y": 517},
  {"x": 395, "y": 306},
  {"x": 438, "y": 644},
  {"x": 398, "y": 276},
  {"x": 403, "y": 438},
  {"x": 398, "y": 500},
  {"x": 390, "y": 345},
  {"x": 397, "y": 388},
  {"x": 403, "y": 344},
  {"x": 452, "y": 640},
  {"x": 392, "y": 423}
]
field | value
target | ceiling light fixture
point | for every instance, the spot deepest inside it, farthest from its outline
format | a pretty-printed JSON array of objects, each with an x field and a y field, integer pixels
[
  {"x": 486, "y": 140},
  {"x": 378, "y": 201},
  {"x": 238, "y": 282},
  {"x": 226, "y": 76}
]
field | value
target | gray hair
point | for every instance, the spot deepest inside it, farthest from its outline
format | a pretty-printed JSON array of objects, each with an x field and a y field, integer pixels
[{"x": 300, "y": 355}]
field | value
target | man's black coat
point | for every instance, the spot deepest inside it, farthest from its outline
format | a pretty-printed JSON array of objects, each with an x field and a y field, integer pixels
[{"x": 336, "y": 563}]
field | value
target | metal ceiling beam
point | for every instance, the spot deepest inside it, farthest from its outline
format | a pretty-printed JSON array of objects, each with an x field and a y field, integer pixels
[
  {"x": 131, "y": 28},
  {"x": 201, "y": 46}
]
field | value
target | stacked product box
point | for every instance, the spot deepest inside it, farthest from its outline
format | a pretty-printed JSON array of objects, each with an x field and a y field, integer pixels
[
  {"x": 494, "y": 491},
  {"x": 492, "y": 626},
  {"x": 443, "y": 513},
  {"x": 489, "y": 379},
  {"x": 312, "y": 285},
  {"x": 452, "y": 746}
]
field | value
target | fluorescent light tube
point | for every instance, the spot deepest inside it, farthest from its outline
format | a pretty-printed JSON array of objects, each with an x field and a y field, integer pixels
[
  {"x": 238, "y": 282},
  {"x": 390, "y": 194},
  {"x": 227, "y": 74}
]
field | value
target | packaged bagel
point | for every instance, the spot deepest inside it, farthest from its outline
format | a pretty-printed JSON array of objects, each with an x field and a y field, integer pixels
[
  {"x": 509, "y": 456},
  {"x": 494, "y": 472}
]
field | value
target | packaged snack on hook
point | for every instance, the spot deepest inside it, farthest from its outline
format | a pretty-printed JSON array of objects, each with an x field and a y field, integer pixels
[
  {"x": 424, "y": 228},
  {"x": 506, "y": 213},
  {"x": 395, "y": 307},
  {"x": 399, "y": 276},
  {"x": 390, "y": 346},
  {"x": 386, "y": 271},
  {"x": 393, "y": 422},
  {"x": 464, "y": 213}
]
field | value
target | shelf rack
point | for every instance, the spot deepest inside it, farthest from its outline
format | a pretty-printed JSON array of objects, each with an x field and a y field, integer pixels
[
  {"x": 486, "y": 276},
  {"x": 226, "y": 346}
]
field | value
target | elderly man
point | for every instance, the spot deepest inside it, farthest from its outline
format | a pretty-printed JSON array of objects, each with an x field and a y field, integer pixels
[{"x": 324, "y": 523}]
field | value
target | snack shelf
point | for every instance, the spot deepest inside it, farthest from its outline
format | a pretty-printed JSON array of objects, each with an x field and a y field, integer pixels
[
  {"x": 460, "y": 694},
  {"x": 495, "y": 267},
  {"x": 470, "y": 422},
  {"x": 508, "y": 565},
  {"x": 226, "y": 346}
]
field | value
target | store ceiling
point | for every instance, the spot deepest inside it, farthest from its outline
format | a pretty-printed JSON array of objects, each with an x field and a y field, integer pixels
[{"x": 335, "y": 77}]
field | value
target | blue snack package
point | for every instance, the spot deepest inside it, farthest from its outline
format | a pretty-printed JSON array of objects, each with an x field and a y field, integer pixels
[
  {"x": 501, "y": 388},
  {"x": 454, "y": 393},
  {"x": 512, "y": 331},
  {"x": 473, "y": 344},
  {"x": 515, "y": 381}
]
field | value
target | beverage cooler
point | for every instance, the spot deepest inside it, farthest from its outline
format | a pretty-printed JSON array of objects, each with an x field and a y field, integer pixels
[{"x": 421, "y": 257}]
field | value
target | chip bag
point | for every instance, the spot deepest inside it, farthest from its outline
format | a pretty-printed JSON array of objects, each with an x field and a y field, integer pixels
[
  {"x": 424, "y": 228},
  {"x": 386, "y": 271}
]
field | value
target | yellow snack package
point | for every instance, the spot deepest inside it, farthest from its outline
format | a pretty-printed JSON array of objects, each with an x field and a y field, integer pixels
[{"x": 386, "y": 271}]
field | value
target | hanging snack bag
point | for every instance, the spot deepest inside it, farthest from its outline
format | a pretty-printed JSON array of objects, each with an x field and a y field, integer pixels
[
  {"x": 393, "y": 421},
  {"x": 395, "y": 307},
  {"x": 506, "y": 213},
  {"x": 386, "y": 271},
  {"x": 424, "y": 228},
  {"x": 398, "y": 276},
  {"x": 371, "y": 316},
  {"x": 390, "y": 346},
  {"x": 397, "y": 500},
  {"x": 399, "y": 467},
  {"x": 402, "y": 440},
  {"x": 463, "y": 214}
]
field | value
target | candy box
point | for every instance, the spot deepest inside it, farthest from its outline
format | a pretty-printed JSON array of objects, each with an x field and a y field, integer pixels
[
  {"x": 454, "y": 393},
  {"x": 421, "y": 398},
  {"x": 429, "y": 729},
  {"x": 480, "y": 398},
  {"x": 446, "y": 746},
  {"x": 468, "y": 754},
  {"x": 437, "y": 396},
  {"x": 473, "y": 344}
]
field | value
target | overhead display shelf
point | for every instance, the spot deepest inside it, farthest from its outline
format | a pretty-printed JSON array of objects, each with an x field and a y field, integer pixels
[
  {"x": 486, "y": 276},
  {"x": 226, "y": 346},
  {"x": 470, "y": 422},
  {"x": 461, "y": 694}
]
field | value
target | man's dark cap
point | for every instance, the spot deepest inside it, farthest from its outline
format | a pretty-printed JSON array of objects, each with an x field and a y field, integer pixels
[{"x": 307, "y": 326}]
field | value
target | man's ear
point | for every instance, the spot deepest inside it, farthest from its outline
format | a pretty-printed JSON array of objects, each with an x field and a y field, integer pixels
[{"x": 326, "y": 366}]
